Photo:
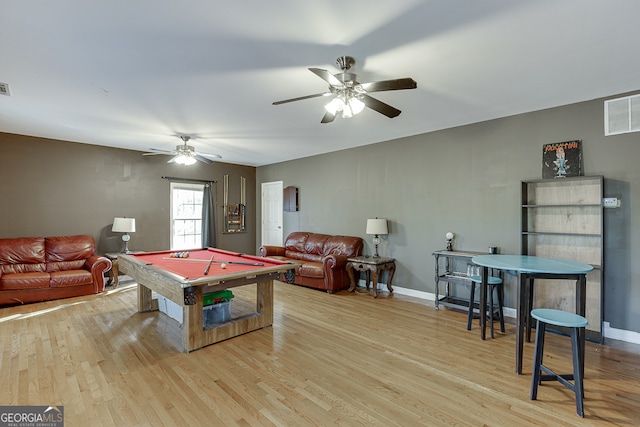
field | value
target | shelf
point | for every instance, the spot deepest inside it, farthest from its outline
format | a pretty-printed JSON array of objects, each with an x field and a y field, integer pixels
[
  {"x": 571, "y": 210},
  {"x": 550, "y": 233},
  {"x": 454, "y": 302},
  {"x": 460, "y": 277},
  {"x": 574, "y": 205}
]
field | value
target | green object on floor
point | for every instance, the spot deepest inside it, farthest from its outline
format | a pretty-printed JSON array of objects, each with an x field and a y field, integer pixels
[{"x": 216, "y": 297}]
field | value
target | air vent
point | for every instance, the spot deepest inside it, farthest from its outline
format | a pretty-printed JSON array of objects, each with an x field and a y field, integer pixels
[
  {"x": 622, "y": 115},
  {"x": 4, "y": 89}
]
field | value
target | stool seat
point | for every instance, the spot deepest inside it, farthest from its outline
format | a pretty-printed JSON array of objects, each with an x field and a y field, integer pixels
[
  {"x": 576, "y": 325},
  {"x": 492, "y": 280},
  {"x": 559, "y": 318}
]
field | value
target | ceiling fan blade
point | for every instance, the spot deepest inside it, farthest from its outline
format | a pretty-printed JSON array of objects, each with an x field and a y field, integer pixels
[
  {"x": 202, "y": 159},
  {"x": 209, "y": 155},
  {"x": 302, "y": 97},
  {"x": 157, "y": 151},
  {"x": 328, "y": 117},
  {"x": 397, "y": 84},
  {"x": 173, "y": 159},
  {"x": 380, "y": 106},
  {"x": 327, "y": 77}
]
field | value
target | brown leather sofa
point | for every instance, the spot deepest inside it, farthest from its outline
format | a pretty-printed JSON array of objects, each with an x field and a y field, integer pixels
[
  {"x": 322, "y": 257},
  {"x": 44, "y": 268}
]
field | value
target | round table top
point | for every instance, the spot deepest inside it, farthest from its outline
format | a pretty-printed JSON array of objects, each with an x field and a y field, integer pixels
[{"x": 532, "y": 264}]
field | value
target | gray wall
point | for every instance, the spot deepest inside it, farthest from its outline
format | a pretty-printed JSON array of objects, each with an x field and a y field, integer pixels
[
  {"x": 467, "y": 180},
  {"x": 51, "y": 187}
]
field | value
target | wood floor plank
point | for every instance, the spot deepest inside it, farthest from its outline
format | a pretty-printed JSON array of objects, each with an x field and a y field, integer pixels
[{"x": 341, "y": 360}]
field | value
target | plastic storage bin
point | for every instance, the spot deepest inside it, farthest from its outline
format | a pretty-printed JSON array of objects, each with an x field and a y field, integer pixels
[{"x": 216, "y": 313}]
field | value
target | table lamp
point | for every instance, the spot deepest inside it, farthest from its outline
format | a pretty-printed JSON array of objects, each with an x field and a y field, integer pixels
[
  {"x": 377, "y": 226},
  {"x": 449, "y": 237},
  {"x": 126, "y": 226}
]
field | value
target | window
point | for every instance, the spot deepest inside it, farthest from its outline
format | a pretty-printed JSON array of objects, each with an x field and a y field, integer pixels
[{"x": 186, "y": 216}]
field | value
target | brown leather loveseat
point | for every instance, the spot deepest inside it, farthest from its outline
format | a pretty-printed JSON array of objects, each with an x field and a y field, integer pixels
[
  {"x": 45, "y": 268},
  {"x": 322, "y": 257}
]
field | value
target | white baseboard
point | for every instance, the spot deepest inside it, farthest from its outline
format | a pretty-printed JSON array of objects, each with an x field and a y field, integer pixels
[
  {"x": 607, "y": 332},
  {"x": 620, "y": 334}
]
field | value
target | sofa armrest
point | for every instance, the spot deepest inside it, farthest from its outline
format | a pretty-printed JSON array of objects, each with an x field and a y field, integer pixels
[
  {"x": 272, "y": 251},
  {"x": 334, "y": 262},
  {"x": 98, "y": 265}
]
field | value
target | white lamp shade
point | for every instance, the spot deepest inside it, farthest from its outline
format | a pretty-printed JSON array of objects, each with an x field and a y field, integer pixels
[
  {"x": 124, "y": 225},
  {"x": 356, "y": 106},
  {"x": 377, "y": 226},
  {"x": 335, "y": 106}
]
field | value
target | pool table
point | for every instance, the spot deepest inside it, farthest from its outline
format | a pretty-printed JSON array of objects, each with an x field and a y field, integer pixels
[{"x": 185, "y": 280}]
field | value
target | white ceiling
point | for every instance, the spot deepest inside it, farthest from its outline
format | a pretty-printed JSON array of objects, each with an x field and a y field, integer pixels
[{"x": 136, "y": 74}]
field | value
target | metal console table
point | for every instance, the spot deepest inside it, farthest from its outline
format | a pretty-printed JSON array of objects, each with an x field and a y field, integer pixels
[{"x": 452, "y": 269}]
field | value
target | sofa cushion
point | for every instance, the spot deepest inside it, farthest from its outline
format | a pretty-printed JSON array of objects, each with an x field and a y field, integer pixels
[
  {"x": 19, "y": 281},
  {"x": 315, "y": 244},
  {"x": 342, "y": 245},
  {"x": 23, "y": 268},
  {"x": 22, "y": 255},
  {"x": 69, "y": 248},
  {"x": 301, "y": 256},
  {"x": 295, "y": 241},
  {"x": 65, "y": 265},
  {"x": 61, "y": 279},
  {"x": 311, "y": 269}
]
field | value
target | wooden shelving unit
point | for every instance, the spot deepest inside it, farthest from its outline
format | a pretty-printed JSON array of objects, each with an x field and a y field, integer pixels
[{"x": 563, "y": 218}]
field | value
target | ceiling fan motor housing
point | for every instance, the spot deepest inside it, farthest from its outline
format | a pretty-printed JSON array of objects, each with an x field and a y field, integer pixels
[{"x": 349, "y": 79}]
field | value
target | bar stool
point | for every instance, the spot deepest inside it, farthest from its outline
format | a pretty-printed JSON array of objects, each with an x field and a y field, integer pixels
[
  {"x": 576, "y": 324},
  {"x": 493, "y": 283}
]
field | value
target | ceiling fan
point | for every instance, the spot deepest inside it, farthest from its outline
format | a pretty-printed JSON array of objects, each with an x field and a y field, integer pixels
[
  {"x": 184, "y": 154},
  {"x": 351, "y": 96}
]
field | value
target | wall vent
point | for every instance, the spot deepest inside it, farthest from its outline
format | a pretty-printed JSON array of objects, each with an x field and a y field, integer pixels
[
  {"x": 4, "y": 89},
  {"x": 622, "y": 115}
]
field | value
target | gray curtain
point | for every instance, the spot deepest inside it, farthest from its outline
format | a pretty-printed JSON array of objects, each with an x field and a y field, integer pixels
[{"x": 208, "y": 219}]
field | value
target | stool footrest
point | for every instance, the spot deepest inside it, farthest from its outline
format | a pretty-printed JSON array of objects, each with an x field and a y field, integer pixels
[{"x": 562, "y": 378}]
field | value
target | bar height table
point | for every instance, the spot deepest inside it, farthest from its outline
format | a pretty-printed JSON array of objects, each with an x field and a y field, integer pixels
[{"x": 528, "y": 268}]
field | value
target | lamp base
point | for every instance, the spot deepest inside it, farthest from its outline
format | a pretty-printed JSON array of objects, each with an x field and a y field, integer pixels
[
  {"x": 376, "y": 242},
  {"x": 125, "y": 239}
]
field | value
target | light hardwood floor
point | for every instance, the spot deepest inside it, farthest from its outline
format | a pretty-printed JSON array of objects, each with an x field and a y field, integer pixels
[{"x": 329, "y": 360}]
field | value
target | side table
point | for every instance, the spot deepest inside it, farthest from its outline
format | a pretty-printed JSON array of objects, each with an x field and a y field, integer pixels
[
  {"x": 113, "y": 273},
  {"x": 373, "y": 266}
]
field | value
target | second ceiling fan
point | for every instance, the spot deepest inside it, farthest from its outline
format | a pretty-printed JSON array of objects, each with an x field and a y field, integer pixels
[
  {"x": 185, "y": 154},
  {"x": 351, "y": 95}
]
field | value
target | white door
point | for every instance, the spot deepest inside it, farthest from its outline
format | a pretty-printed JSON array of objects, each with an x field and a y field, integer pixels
[{"x": 272, "y": 213}]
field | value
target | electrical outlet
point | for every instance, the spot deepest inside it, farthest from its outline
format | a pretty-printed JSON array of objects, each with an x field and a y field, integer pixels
[{"x": 611, "y": 202}]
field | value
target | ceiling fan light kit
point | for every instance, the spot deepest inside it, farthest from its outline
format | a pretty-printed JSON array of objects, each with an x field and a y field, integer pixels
[
  {"x": 351, "y": 96},
  {"x": 349, "y": 107}
]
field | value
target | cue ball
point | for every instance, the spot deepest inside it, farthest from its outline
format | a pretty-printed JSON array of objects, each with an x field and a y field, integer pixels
[{"x": 223, "y": 265}]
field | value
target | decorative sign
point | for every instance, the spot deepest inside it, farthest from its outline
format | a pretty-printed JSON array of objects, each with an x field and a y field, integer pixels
[{"x": 562, "y": 159}]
